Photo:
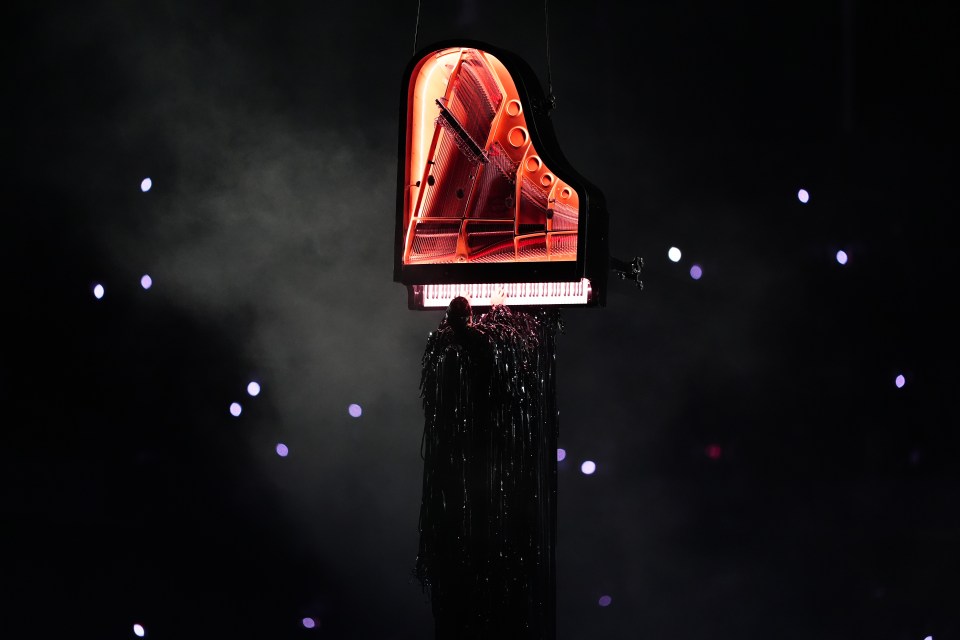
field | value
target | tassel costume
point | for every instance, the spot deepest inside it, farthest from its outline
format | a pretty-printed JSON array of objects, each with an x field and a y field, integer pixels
[{"x": 488, "y": 510}]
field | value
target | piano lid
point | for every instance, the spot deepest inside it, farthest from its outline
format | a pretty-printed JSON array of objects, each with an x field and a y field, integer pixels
[{"x": 485, "y": 195}]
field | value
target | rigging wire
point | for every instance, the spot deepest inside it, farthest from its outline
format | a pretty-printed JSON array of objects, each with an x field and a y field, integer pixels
[
  {"x": 551, "y": 99},
  {"x": 416, "y": 28}
]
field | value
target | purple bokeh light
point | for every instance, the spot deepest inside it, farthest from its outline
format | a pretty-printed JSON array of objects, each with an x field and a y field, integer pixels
[
  {"x": 282, "y": 450},
  {"x": 561, "y": 454},
  {"x": 842, "y": 257},
  {"x": 355, "y": 410},
  {"x": 588, "y": 467},
  {"x": 146, "y": 281},
  {"x": 900, "y": 381},
  {"x": 235, "y": 409},
  {"x": 605, "y": 601},
  {"x": 696, "y": 272},
  {"x": 98, "y": 291},
  {"x": 139, "y": 631},
  {"x": 309, "y": 623},
  {"x": 253, "y": 388},
  {"x": 803, "y": 196}
]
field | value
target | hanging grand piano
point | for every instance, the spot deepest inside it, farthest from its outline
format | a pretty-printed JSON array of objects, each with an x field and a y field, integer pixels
[{"x": 486, "y": 199}]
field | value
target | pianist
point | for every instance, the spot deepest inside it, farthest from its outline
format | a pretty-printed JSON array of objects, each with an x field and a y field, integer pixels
[{"x": 481, "y": 554}]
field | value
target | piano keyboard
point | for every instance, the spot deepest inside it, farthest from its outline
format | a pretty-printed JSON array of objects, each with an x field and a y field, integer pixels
[{"x": 517, "y": 293}]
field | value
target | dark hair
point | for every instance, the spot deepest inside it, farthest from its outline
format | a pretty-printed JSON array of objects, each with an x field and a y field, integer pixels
[{"x": 459, "y": 313}]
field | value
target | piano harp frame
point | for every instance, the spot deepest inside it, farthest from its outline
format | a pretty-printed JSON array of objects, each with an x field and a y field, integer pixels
[{"x": 592, "y": 254}]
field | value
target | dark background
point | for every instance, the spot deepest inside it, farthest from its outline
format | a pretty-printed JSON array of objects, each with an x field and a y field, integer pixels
[{"x": 269, "y": 129}]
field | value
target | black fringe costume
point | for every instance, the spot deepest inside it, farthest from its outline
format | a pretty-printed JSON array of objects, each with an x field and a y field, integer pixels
[{"x": 488, "y": 512}]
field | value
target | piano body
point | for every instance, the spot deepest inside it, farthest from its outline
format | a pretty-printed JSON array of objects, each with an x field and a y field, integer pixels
[{"x": 486, "y": 200}]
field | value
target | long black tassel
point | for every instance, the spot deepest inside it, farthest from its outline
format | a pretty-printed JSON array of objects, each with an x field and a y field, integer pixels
[{"x": 488, "y": 511}]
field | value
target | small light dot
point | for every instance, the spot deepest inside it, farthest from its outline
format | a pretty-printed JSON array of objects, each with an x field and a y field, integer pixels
[
  {"x": 696, "y": 272},
  {"x": 309, "y": 623},
  {"x": 146, "y": 281},
  {"x": 605, "y": 601},
  {"x": 674, "y": 254},
  {"x": 282, "y": 450},
  {"x": 145, "y": 184},
  {"x": 561, "y": 454},
  {"x": 842, "y": 256},
  {"x": 928, "y": 638},
  {"x": 98, "y": 291},
  {"x": 355, "y": 410},
  {"x": 235, "y": 409},
  {"x": 139, "y": 631},
  {"x": 588, "y": 467},
  {"x": 253, "y": 388},
  {"x": 900, "y": 381},
  {"x": 803, "y": 196}
]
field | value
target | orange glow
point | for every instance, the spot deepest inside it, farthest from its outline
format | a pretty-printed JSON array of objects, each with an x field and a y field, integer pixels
[{"x": 478, "y": 191}]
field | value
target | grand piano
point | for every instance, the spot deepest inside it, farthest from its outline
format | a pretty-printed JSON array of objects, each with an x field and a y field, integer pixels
[{"x": 486, "y": 201}]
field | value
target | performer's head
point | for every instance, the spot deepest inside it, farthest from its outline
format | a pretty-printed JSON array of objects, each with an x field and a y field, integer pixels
[{"x": 459, "y": 313}]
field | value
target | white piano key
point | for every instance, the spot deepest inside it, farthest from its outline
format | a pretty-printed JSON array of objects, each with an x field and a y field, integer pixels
[{"x": 517, "y": 293}]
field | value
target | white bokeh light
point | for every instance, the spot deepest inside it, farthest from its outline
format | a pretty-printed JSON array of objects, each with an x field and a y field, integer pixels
[
  {"x": 900, "y": 381},
  {"x": 139, "y": 631},
  {"x": 253, "y": 388},
  {"x": 98, "y": 291},
  {"x": 588, "y": 467},
  {"x": 842, "y": 257},
  {"x": 235, "y": 409},
  {"x": 561, "y": 454},
  {"x": 674, "y": 254},
  {"x": 803, "y": 196},
  {"x": 282, "y": 450},
  {"x": 355, "y": 410},
  {"x": 146, "y": 281},
  {"x": 146, "y": 184}
]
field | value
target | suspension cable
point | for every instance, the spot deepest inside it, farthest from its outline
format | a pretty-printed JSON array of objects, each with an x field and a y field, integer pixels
[
  {"x": 551, "y": 99},
  {"x": 416, "y": 28}
]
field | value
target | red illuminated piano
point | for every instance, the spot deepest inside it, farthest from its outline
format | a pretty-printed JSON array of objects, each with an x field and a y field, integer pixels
[{"x": 486, "y": 199}]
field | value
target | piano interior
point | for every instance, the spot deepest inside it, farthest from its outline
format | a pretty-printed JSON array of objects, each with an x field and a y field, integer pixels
[{"x": 478, "y": 190}]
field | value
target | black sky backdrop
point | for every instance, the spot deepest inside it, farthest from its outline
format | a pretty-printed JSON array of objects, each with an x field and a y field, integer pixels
[{"x": 269, "y": 129}]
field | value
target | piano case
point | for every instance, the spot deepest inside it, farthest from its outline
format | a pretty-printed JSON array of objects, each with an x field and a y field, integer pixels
[{"x": 485, "y": 198}]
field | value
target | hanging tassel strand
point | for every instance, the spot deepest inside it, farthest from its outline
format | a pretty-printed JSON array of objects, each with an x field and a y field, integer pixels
[{"x": 488, "y": 510}]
